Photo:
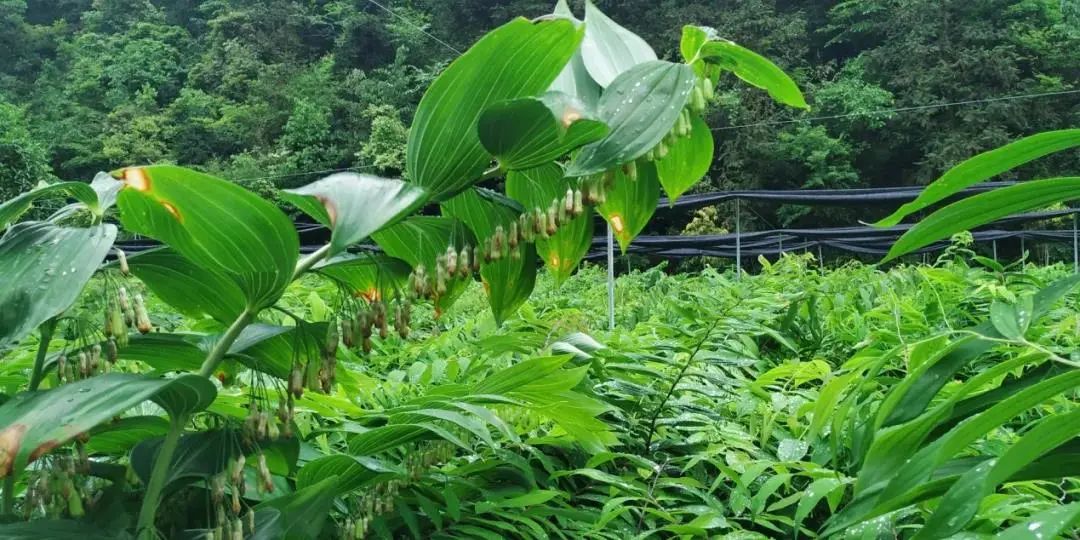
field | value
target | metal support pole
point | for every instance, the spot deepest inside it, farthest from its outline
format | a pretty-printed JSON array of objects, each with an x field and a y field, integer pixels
[
  {"x": 610, "y": 278},
  {"x": 781, "y": 237},
  {"x": 1076, "y": 260},
  {"x": 995, "y": 250},
  {"x": 1022, "y": 249},
  {"x": 738, "y": 240},
  {"x": 820, "y": 259}
]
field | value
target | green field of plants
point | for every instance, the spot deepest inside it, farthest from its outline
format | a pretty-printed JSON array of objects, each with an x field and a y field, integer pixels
[{"x": 179, "y": 360}]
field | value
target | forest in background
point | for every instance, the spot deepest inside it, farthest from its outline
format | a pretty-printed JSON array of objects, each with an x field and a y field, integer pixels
[{"x": 265, "y": 91}]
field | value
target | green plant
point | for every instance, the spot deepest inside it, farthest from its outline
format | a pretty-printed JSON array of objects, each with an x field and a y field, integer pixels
[{"x": 586, "y": 101}]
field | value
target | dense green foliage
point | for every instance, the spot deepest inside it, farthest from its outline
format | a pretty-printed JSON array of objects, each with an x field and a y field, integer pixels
[
  {"x": 723, "y": 410},
  {"x": 250, "y": 89}
]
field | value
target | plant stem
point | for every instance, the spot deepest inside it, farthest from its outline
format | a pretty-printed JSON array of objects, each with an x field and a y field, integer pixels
[
  {"x": 43, "y": 349},
  {"x": 152, "y": 497},
  {"x": 678, "y": 378},
  {"x": 222, "y": 346},
  {"x": 305, "y": 264}
]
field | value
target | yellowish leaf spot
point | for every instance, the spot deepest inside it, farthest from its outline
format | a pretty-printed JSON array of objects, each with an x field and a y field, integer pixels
[
  {"x": 570, "y": 116},
  {"x": 617, "y": 223},
  {"x": 172, "y": 210},
  {"x": 555, "y": 261},
  {"x": 136, "y": 178}
]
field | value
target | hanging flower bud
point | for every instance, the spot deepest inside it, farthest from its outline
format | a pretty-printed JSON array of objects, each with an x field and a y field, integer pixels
[
  {"x": 84, "y": 364},
  {"x": 451, "y": 260},
  {"x": 568, "y": 200},
  {"x": 296, "y": 382},
  {"x": 650, "y": 155},
  {"x": 708, "y": 90},
  {"x": 116, "y": 322},
  {"x": 129, "y": 317},
  {"x": 609, "y": 178},
  {"x": 111, "y": 352},
  {"x": 121, "y": 259},
  {"x": 697, "y": 99},
  {"x": 62, "y": 367},
  {"x": 236, "y": 471},
  {"x": 563, "y": 213},
  {"x": 463, "y": 263},
  {"x": 142, "y": 320},
  {"x": 578, "y": 206},
  {"x": 265, "y": 478},
  {"x": 367, "y": 345},
  {"x": 512, "y": 238},
  {"x": 539, "y": 221},
  {"x": 347, "y": 334},
  {"x": 661, "y": 150},
  {"x": 552, "y": 221},
  {"x": 440, "y": 280},
  {"x": 95, "y": 356},
  {"x": 630, "y": 170},
  {"x": 272, "y": 431},
  {"x": 498, "y": 243},
  {"x": 332, "y": 338},
  {"x": 525, "y": 227}
]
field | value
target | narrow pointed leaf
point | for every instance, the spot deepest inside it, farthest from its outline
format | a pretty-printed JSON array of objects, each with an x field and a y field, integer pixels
[
  {"x": 1046, "y": 524},
  {"x": 703, "y": 44},
  {"x": 518, "y": 59},
  {"x": 985, "y": 166},
  {"x": 43, "y": 268},
  {"x": 15, "y": 207},
  {"x": 984, "y": 208},
  {"x": 354, "y": 205}
]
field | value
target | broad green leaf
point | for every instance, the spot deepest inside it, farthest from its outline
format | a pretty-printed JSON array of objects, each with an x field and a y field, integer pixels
[
  {"x": 508, "y": 281},
  {"x": 37, "y": 422},
  {"x": 1046, "y": 524},
  {"x": 353, "y": 206},
  {"x": 302, "y": 513},
  {"x": 353, "y": 472},
  {"x": 519, "y": 59},
  {"x": 215, "y": 224},
  {"x": 536, "y": 188},
  {"x": 198, "y": 456},
  {"x": 1011, "y": 320},
  {"x": 43, "y": 268},
  {"x": 639, "y": 107},
  {"x": 275, "y": 351},
  {"x": 961, "y": 501},
  {"x": 40, "y": 529},
  {"x": 419, "y": 240},
  {"x": 817, "y": 490},
  {"x": 13, "y": 208},
  {"x": 688, "y": 160},
  {"x": 608, "y": 49},
  {"x": 984, "y": 208},
  {"x": 120, "y": 436},
  {"x": 703, "y": 44},
  {"x": 985, "y": 166},
  {"x": 168, "y": 351},
  {"x": 369, "y": 275},
  {"x": 194, "y": 290},
  {"x": 529, "y": 132},
  {"x": 630, "y": 204},
  {"x": 574, "y": 80}
]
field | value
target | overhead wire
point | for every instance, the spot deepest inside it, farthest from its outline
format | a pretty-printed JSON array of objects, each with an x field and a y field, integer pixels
[
  {"x": 415, "y": 26},
  {"x": 899, "y": 109}
]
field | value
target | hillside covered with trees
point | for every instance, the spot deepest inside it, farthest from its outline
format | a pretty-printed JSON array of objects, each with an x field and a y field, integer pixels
[{"x": 265, "y": 91}]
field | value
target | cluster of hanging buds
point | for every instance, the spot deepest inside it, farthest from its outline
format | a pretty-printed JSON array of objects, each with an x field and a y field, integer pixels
[
  {"x": 230, "y": 517},
  {"x": 58, "y": 488},
  {"x": 85, "y": 362},
  {"x": 262, "y": 425},
  {"x": 451, "y": 265},
  {"x": 702, "y": 93},
  {"x": 417, "y": 463}
]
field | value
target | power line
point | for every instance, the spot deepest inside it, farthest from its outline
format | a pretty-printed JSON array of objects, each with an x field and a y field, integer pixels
[
  {"x": 899, "y": 109},
  {"x": 415, "y": 26}
]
